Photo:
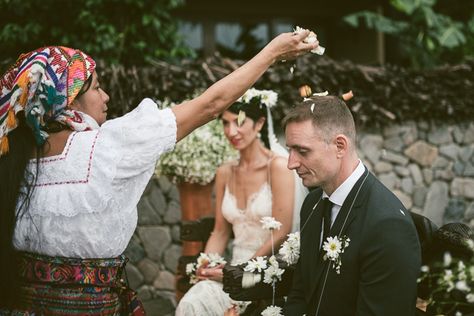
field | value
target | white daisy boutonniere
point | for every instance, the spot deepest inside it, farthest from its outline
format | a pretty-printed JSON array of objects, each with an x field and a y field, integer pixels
[{"x": 334, "y": 247}]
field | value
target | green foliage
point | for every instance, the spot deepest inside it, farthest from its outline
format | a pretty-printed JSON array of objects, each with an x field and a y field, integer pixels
[
  {"x": 116, "y": 31},
  {"x": 195, "y": 158},
  {"x": 427, "y": 37}
]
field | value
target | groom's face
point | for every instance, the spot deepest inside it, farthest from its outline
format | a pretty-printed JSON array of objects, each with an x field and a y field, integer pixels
[{"x": 311, "y": 156}]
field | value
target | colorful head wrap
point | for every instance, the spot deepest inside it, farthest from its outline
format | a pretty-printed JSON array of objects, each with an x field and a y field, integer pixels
[{"x": 42, "y": 84}]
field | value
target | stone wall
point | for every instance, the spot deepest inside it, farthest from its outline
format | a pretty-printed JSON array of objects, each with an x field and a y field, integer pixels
[{"x": 430, "y": 167}]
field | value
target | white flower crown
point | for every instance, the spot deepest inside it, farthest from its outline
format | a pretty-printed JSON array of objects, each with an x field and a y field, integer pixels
[{"x": 267, "y": 97}]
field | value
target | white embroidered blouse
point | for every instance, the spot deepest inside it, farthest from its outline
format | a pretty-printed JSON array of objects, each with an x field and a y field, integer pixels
[{"x": 84, "y": 202}]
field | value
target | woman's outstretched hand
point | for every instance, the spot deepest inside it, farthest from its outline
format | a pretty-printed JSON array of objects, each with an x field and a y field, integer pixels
[{"x": 290, "y": 45}]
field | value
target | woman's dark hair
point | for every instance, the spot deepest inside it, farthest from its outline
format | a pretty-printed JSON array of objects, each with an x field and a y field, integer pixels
[
  {"x": 13, "y": 175},
  {"x": 255, "y": 110},
  {"x": 85, "y": 87}
]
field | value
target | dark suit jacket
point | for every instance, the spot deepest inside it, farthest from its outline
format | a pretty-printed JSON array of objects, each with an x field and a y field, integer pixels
[{"x": 379, "y": 268}]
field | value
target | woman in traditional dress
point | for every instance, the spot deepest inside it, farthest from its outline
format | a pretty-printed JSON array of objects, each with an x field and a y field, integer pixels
[
  {"x": 70, "y": 182},
  {"x": 257, "y": 185}
]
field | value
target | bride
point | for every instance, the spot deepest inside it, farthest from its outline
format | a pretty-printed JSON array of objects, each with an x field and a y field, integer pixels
[{"x": 257, "y": 185}]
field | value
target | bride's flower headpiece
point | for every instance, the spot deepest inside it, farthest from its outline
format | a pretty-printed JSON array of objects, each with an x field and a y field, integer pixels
[{"x": 258, "y": 98}]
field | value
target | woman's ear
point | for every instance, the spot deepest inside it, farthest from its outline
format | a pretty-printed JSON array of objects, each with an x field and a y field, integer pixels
[{"x": 259, "y": 124}]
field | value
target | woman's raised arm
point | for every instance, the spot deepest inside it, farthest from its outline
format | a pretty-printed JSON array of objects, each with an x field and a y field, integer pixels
[{"x": 196, "y": 112}]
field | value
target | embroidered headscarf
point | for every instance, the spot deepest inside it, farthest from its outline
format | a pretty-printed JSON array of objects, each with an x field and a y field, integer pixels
[{"x": 41, "y": 85}]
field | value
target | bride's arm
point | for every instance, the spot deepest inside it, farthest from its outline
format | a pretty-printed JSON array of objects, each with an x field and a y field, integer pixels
[
  {"x": 282, "y": 182},
  {"x": 217, "y": 242},
  {"x": 196, "y": 112}
]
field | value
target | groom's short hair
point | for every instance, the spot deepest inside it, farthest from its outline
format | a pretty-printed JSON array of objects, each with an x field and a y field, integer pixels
[{"x": 329, "y": 114}]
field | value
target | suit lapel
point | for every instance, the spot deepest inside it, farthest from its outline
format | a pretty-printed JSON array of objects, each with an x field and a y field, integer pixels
[
  {"x": 349, "y": 211},
  {"x": 316, "y": 263},
  {"x": 346, "y": 215}
]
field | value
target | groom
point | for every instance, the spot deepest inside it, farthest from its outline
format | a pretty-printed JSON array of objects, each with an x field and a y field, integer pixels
[{"x": 370, "y": 264}]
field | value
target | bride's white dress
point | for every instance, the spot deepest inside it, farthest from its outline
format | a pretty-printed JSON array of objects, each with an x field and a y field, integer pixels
[{"x": 207, "y": 297}]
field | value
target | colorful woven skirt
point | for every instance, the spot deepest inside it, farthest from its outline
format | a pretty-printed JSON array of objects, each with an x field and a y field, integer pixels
[{"x": 70, "y": 286}]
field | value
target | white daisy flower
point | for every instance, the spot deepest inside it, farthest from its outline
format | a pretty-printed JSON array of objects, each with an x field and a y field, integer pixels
[
  {"x": 258, "y": 264},
  {"x": 332, "y": 247},
  {"x": 272, "y": 311},
  {"x": 270, "y": 223},
  {"x": 290, "y": 249},
  {"x": 272, "y": 274}
]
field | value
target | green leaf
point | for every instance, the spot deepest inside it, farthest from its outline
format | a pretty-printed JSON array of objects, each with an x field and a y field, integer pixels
[
  {"x": 406, "y": 6},
  {"x": 376, "y": 21},
  {"x": 352, "y": 19},
  {"x": 451, "y": 37},
  {"x": 431, "y": 18}
]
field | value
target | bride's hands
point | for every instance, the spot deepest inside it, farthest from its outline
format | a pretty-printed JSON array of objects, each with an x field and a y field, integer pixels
[
  {"x": 232, "y": 311},
  {"x": 214, "y": 274},
  {"x": 290, "y": 45}
]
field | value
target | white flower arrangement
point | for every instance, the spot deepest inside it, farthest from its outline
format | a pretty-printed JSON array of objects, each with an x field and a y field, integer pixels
[
  {"x": 196, "y": 158},
  {"x": 334, "y": 247},
  {"x": 450, "y": 283},
  {"x": 204, "y": 260}
]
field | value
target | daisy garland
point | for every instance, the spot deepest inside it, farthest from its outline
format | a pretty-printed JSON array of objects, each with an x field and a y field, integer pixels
[{"x": 273, "y": 273}]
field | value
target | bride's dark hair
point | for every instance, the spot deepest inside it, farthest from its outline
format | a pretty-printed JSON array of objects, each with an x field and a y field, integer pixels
[{"x": 255, "y": 110}]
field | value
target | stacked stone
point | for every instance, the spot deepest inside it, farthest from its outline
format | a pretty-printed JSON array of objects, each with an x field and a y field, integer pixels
[
  {"x": 430, "y": 167},
  {"x": 155, "y": 248}
]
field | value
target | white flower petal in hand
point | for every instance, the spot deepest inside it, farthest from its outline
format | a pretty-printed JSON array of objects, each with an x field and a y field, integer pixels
[
  {"x": 311, "y": 38},
  {"x": 270, "y": 223}
]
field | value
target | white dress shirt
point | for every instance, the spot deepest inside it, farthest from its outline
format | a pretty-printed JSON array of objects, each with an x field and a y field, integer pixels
[{"x": 340, "y": 194}]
